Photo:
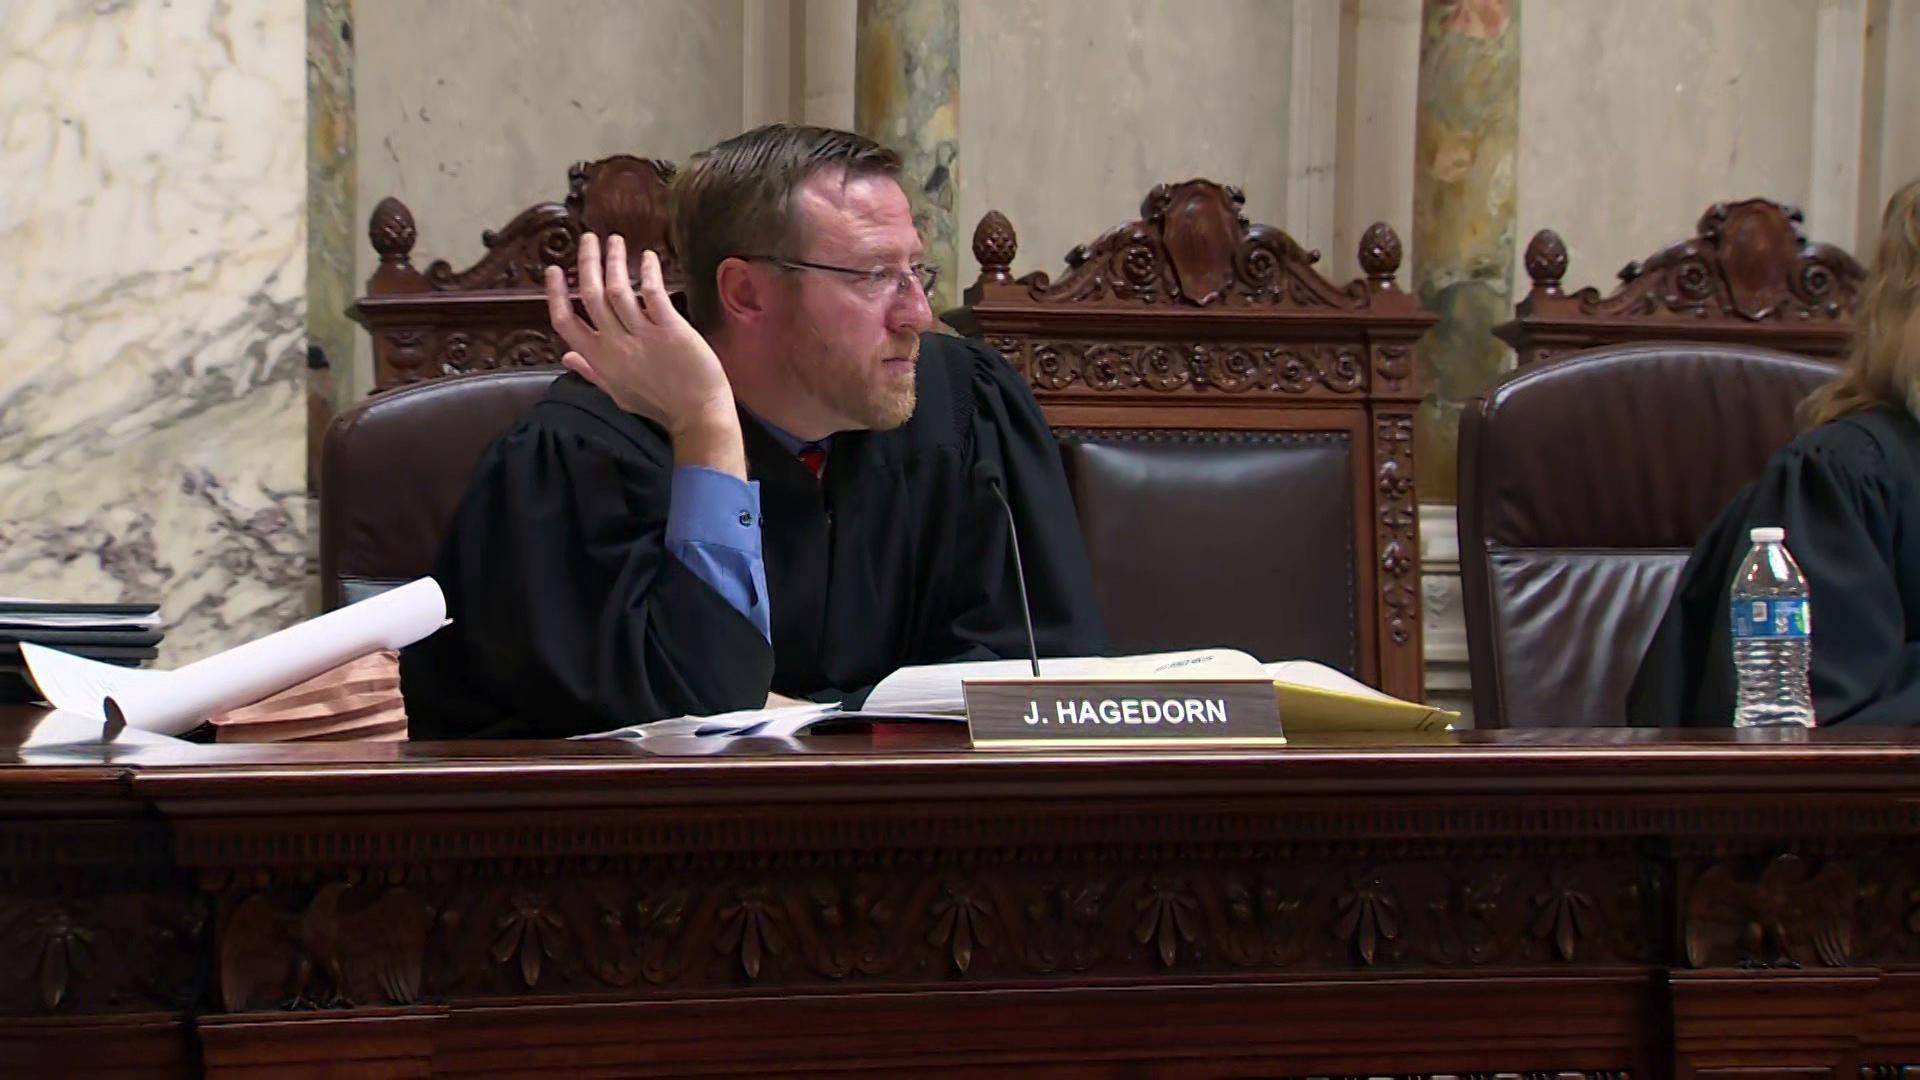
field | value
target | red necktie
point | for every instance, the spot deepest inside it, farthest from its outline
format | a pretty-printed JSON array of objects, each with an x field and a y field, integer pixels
[{"x": 815, "y": 459}]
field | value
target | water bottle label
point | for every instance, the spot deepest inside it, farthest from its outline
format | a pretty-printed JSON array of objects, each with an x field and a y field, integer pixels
[{"x": 1783, "y": 617}]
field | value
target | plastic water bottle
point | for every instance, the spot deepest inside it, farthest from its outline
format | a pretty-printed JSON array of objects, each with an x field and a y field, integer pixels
[{"x": 1772, "y": 636}]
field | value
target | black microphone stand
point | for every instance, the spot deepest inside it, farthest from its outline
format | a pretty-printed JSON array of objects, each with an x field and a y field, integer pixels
[{"x": 991, "y": 476}]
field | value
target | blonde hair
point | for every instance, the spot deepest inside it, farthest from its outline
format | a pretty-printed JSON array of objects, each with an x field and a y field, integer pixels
[{"x": 1883, "y": 361}]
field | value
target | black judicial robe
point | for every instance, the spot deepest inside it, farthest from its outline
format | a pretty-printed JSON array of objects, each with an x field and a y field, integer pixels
[
  {"x": 571, "y": 616},
  {"x": 1848, "y": 495}
]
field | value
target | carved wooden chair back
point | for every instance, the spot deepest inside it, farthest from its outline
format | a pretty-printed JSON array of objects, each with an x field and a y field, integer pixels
[
  {"x": 1747, "y": 276},
  {"x": 493, "y": 315},
  {"x": 1238, "y": 429}
]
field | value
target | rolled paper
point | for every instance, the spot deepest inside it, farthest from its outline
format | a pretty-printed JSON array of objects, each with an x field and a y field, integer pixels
[{"x": 180, "y": 700}]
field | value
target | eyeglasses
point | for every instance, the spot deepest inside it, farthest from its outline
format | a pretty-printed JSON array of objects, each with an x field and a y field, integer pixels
[{"x": 869, "y": 283}]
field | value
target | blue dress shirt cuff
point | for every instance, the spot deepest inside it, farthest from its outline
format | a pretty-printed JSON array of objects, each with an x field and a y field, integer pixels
[{"x": 713, "y": 528}]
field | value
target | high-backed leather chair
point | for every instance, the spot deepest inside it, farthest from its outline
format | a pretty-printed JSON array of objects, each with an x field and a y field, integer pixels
[
  {"x": 1585, "y": 481},
  {"x": 1237, "y": 429},
  {"x": 394, "y": 468}
]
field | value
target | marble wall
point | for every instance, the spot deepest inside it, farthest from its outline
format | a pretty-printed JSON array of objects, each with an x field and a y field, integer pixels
[
  {"x": 907, "y": 98},
  {"x": 1890, "y": 153},
  {"x": 828, "y": 33},
  {"x": 471, "y": 110},
  {"x": 1465, "y": 143},
  {"x": 1676, "y": 104},
  {"x": 333, "y": 231},
  {"x": 1636, "y": 115},
  {"x": 1377, "y": 73},
  {"x": 152, "y": 312},
  {"x": 1075, "y": 108}
]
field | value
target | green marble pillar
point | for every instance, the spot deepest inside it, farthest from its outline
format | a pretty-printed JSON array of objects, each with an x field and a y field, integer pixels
[
  {"x": 330, "y": 190},
  {"x": 330, "y": 285},
  {"x": 907, "y": 97},
  {"x": 1466, "y": 130}
]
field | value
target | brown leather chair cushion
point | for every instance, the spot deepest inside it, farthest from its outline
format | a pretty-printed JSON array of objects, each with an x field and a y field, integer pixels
[
  {"x": 1584, "y": 484},
  {"x": 394, "y": 468},
  {"x": 1202, "y": 538}
]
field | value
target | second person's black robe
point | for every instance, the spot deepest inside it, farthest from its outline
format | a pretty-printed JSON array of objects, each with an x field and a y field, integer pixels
[{"x": 1848, "y": 495}]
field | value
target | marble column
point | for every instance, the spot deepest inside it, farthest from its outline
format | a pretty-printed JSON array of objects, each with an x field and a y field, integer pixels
[
  {"x": 330, "y": 236},
  {"x": 1466, "y": 131},
  {"x": 331, "y": 187},
  {"x": 152, "y": 291},
  {"x": 907, "y": 96}
]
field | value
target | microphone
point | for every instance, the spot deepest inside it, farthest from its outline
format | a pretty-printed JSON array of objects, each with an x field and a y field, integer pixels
[{"x": 987, "y": 474}]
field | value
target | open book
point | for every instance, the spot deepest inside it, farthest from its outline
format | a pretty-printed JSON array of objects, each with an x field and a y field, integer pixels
[{"x": 1313, "y": 697}]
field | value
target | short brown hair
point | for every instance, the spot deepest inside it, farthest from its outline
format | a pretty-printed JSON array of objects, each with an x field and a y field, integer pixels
[{"x": 737, "y": 199}]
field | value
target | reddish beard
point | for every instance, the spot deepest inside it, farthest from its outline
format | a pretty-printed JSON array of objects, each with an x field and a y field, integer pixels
[{"x": 867, "y": 390}]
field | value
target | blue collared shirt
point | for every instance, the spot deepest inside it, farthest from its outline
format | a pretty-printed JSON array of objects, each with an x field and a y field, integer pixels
[{"x": 713, "y": 528}]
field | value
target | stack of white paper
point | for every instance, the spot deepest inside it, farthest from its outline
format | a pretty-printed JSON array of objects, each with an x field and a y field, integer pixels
[
  {"x": 782, "y": 720},
  {"x": 20, "y": 613}
]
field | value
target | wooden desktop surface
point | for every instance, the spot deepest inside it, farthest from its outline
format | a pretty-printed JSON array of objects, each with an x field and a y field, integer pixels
[{"x": 891, "y": 902}]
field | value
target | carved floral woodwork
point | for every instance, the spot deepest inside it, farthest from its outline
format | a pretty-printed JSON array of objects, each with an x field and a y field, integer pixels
[
  {"x": 1192, "y": 304},
  {"x": 414, "y": 355},
  {"x": 1398, "y": 518},
  {"x": 1748, "y": 274},
  {"x": 1255, "y": 369},
  {"x": 400, "y": 934},
  {"x": 910, "y": 919},
  {"x": 492, "y": 315},
  {"x": 455, "y": 886},
  {"x": 93, "y": 918},
  {"x": 72, "y": 953},
  {"x": 309, "y": 923}
]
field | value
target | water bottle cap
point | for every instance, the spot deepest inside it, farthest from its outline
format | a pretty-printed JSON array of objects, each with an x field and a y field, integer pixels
[{"x": 1767, "y": 534}]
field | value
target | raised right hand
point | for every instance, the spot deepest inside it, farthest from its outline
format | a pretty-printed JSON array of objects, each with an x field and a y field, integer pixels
[{"x": 638, "y": 349}]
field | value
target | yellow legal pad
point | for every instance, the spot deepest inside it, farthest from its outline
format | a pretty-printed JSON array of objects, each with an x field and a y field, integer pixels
[{"x": 1315, "y": 698}]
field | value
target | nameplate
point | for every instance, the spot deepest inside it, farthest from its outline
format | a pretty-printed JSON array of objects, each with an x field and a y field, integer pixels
[{"x": 1069, "y": 713}]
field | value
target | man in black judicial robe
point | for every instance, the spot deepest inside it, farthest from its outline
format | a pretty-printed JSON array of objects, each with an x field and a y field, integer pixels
[{"x": 781, "y": 495}]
